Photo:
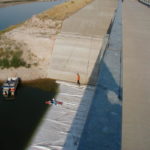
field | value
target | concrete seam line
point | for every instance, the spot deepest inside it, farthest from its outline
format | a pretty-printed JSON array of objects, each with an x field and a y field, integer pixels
[
  {"x": 69, "y": 34},
  {"x": 104, "y": 45}
]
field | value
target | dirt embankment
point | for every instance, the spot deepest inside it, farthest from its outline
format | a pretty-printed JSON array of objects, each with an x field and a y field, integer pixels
[{"x": 36, "y": 38}]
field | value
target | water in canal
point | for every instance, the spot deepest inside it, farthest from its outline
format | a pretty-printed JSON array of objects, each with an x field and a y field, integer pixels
[{"x": 16, "y": 14}]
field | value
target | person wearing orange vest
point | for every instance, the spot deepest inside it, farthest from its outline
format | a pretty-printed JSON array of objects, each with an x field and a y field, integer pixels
[{"x": 78, "y": 79}]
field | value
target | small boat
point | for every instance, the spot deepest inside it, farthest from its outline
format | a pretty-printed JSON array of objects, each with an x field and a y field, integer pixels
[
  {"x": 53, "y": 101},
  {"x": 9, "y": 87}
]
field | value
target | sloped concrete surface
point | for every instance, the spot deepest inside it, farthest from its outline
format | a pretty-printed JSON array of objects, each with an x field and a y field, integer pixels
[
  {"x": 93, "y": 20},
  {"x": 78, "y": 46},
  {"x": 136, "y": 80},
  {"x": 74, "y": 54}
]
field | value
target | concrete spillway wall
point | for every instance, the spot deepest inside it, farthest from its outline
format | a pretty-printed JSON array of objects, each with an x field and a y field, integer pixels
[{"x": 77, "y": 48}]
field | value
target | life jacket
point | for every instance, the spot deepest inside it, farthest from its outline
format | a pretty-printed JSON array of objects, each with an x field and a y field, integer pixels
[{"x": 78, "y": 77}]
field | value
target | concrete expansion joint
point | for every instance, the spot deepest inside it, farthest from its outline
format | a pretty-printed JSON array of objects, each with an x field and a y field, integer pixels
[
  {"x": 113, "y": 50},
  {"x": 102, "y": 87},
  {"x": 104, "y": 47},
  {"x": 77, "y": 35}
]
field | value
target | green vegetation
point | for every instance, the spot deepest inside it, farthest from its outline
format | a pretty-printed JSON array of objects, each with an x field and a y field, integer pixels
[
  {"x": 11, "y": 53},
  {"x": 9, "y": 58},
  {"x": 44, "y": 84}
]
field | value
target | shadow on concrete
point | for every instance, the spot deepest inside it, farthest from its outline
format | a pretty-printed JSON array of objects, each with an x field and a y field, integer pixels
[
  {"x": 20, "y": 117},
  {"x": 145, "y": 2},
  {"x": 102, "y": 129}
]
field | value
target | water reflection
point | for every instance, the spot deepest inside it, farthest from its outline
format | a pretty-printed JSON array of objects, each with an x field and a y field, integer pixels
[{"x": 15, "y": 14}]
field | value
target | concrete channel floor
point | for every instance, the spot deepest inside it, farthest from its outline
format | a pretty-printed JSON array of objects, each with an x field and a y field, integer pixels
[
  {"x": 136, "y": 80},
  {"x": 102, "y": 129}
]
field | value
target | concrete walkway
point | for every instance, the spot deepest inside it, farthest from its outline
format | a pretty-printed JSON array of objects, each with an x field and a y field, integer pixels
[
  {"x": 136, "y": 80},
  {"x": 78, "y": 46}
]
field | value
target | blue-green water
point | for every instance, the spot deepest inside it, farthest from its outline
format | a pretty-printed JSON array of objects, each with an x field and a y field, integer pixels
[{"x": 16, "y": 14}]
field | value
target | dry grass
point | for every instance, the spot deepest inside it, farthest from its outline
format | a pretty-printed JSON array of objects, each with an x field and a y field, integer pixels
[{"x": 62, "y": 11}]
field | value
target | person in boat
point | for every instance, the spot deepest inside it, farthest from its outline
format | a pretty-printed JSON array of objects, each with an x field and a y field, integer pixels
[{"x": 53, "y": 101}]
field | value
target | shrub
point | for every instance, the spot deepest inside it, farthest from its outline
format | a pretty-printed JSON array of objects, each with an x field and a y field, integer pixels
[
  {"x": 12, "y": 59},
  {"x": 17, "y": 62},
  {"x": 4, "y": 63}
]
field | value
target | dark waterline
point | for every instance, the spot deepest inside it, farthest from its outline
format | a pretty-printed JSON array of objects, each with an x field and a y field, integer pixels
[{"x": 16, "y": 14}]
